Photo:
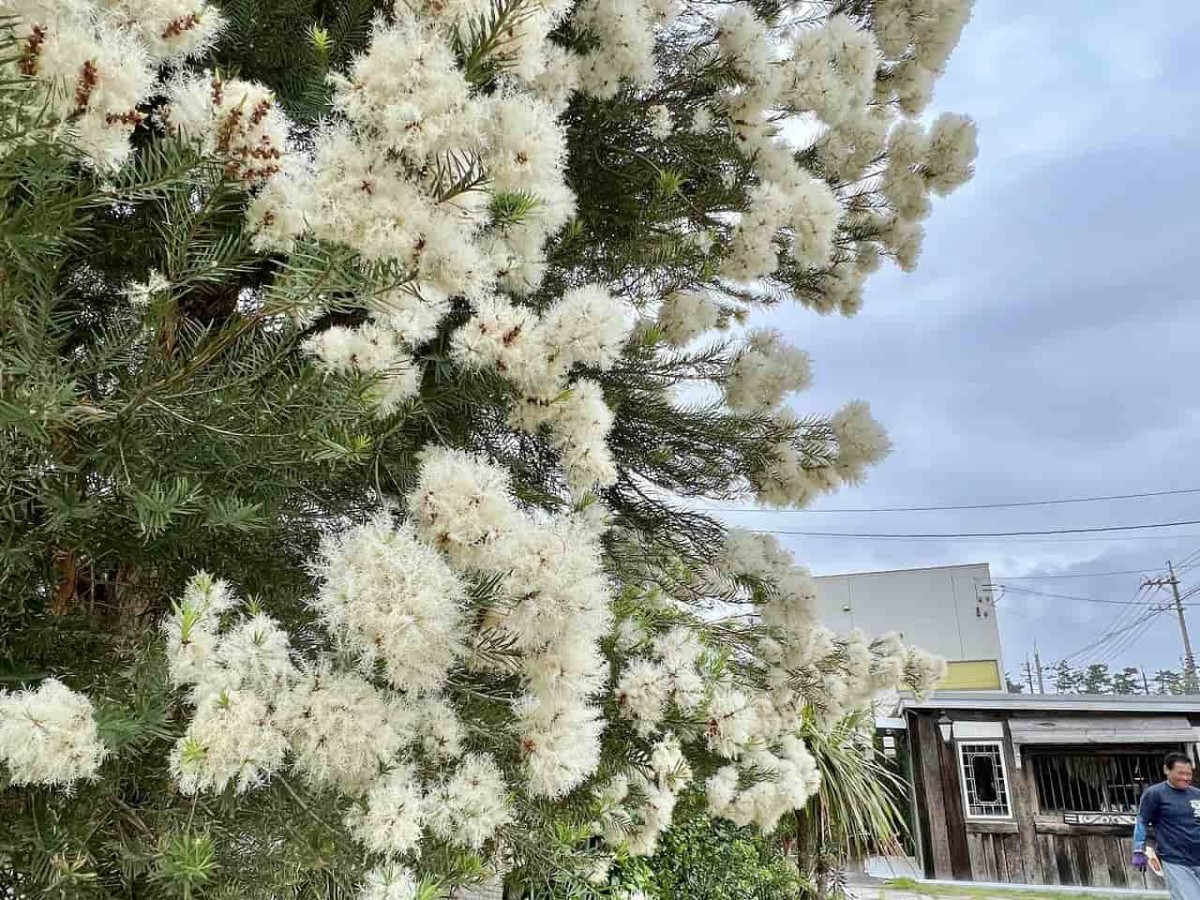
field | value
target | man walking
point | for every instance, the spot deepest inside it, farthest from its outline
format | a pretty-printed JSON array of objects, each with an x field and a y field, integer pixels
[{"x": 1173, "y": 808}]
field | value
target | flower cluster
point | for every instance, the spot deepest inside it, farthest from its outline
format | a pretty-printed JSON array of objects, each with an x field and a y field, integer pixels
[
  {"x": 99, "y": 62},
  {"x": 552, "y": 603},
  {"x": 49, "y": 735},
  {"x": 395, "y": 601},
  {"x": 396, "y": 605},
  {"x": 236, "y": 121},
  {"x": 799, "y": 472},
  {"x": 765, "y": 372},
  {"x": 669, "y": 676},
  {"x": 588, "y": 327}
]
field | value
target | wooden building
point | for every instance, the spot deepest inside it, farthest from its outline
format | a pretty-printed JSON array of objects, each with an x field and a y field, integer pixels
[{"x": 1039, "y": 789}]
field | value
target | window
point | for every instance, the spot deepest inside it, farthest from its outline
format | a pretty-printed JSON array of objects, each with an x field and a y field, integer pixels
[
  {"x": 1109, "y": 782},
  {"x": 985, "y": 785}
]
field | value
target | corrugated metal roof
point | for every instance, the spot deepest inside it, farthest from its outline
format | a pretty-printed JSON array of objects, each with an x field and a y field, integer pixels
[{"x": 1000, "y": 701}]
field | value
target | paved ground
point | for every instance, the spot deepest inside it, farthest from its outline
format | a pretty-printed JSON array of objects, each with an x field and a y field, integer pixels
[{"x": 864, "y": 888}]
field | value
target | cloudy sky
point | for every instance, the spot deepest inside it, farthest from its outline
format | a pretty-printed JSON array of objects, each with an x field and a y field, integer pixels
[{"x": 1047, "y": 345}]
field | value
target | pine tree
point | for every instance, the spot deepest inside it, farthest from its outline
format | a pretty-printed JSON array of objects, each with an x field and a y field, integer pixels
[
  {"x": 360, "y": 369},
  {"x": 1067, "y": 680},
  {"x": 1096, "y": 680},
  {"x": 1168, "y": 681},
  {"x": 1127, "y": 681}
]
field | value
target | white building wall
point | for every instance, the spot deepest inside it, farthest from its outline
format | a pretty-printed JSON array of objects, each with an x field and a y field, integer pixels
[{"x": 948, "y": 610}]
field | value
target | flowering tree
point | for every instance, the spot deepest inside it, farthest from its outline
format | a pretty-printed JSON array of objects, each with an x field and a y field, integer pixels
[{"x": 359, "y": 365}]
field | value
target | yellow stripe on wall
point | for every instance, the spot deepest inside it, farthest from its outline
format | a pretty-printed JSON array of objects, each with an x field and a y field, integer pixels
[{"x": 971, "y": 675}]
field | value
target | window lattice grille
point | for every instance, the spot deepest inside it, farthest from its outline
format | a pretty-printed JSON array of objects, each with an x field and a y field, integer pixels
[{"x": 985, "y": 785}]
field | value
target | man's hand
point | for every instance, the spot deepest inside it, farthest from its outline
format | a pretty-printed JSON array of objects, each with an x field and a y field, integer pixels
[{"x": 1139, "y": 860}]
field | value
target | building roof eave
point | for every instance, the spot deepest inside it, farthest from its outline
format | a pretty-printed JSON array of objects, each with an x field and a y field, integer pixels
[{"x": 1004, "y": 702}]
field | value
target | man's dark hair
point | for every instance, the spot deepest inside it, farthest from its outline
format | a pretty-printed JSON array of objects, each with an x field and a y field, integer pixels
[{"x": 1173, "y": 759}]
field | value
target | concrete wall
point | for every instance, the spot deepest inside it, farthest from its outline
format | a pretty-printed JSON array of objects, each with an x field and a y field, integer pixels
[{"x": 949, "y": 610}]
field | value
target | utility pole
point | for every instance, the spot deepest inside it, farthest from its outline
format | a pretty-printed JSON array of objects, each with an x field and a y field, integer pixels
[
  {"x": 1189, "y": 658},
  {"x": 1145, "y": 682},
  {"x": 1029, "y": 674},
  {"x": 1037, "y": 659}
]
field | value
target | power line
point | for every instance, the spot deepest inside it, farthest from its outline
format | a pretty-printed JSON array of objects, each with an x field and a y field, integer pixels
[
  {"x": 1123, "y": 619},
  {"x": 983, "y": 534},
  {"x": 1020, "y": 590},
  {"x": 1042, "y": 540},
  {"x": 1014, "y": 505},
  {"x": 1078, "y": 575},
  {"x": 1119, "y": 631},
  {"x": 1190, "y": 561}
]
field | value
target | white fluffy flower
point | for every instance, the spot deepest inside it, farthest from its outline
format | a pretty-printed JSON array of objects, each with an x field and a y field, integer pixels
[
  {"x": 408, "y": 89},
  {"x": 254, "y": 655},
  {"x": 587, "y": 326},
  {"x": 551, "y": 573},
  {"x": 469, "y": 806},
  {"x": 848, "y": 149},
  {"x": 236, "y": 120},
  {"x": 642, "y": 692},
  {"x": 782, "y": 782},
  {"x": 48, "y": 735},
  {"x": 744, "y": 41},
  {"x": 625, "y": 30},
  {"x": 720, "y": 790},
  {"x": 930, "y": 27},
  {"x": 580, "y": 421},
  {"x": 394, "y": 816},
  {"x": 791, "y": 478},
  {"x": 685, "y": 315},
  {"x": 732, "y": 721},
  {"x": 191, "y": 630},
  {"x": 752, "y": 254},
  {"x": 232, "y": 739},
  {"x": 525, "y": 148},
  {"x": 661, "y": 123},
  {"x": 462, "y": 505},
  {"x": 813, "y": 215},
  {"x": 923, "y": 670},
  {"x": 170, "y": 30},
  {"x": 342, "y": 729},
  {"x": 412, "y": 311},
  {"x": 140, "y": 293},
  {"x": 765, "y": 372},
  {"x": 702, "y": 121},
  {"x": 951, "y": 154},
  {"x": 669, "y": 764},
  {"x": 395, "y": 600},
  {"x": 832, "y": 69},
  {"x": 388, "y": 882},
  {"x": 372, "y": 350},
  {"x": 654, "y": 817},
  {"x": 508, "y": 338},
  {"x": 560, "y": 744},
  {"x": 904, "y": 239},
  {"x": 559, "y": 77},
  {"x": 861, "y": 440},
  {"x": 438, "y": 728},
  {"x": 95, "y": 75},
  {"x": 355, "y": 194}
]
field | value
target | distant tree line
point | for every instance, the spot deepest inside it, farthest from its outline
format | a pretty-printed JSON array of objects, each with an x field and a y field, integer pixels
[{"x": 1099, "y": 678}]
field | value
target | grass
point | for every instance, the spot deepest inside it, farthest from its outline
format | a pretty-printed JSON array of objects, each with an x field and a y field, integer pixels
[{"x": 1017, "y": 892}]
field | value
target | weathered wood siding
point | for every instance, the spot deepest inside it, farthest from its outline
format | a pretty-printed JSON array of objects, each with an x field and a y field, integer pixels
[
  {"x": 1096, "y": 860},
  {"x": 997, "y": 857},
  {"x": 1062, "y": 855}
]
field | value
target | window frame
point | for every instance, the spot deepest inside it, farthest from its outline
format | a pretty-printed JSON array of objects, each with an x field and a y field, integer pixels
[
  {"x": 1037, "y": 760},
  {"x": 961, "y": 757}
]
